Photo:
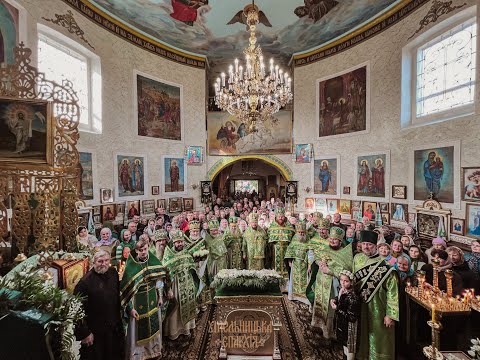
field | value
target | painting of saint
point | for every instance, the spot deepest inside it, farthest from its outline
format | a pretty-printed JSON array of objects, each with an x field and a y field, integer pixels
[
  {"x": 158, "y": 109},
  {"x": 315, "y": 10},
  {"x": 226, "y": 135},
  {"x": 174, "y": 170},
  {"x": 332, "y": 206},
  {"x": 25, "y": 130},
  {"x": 473, "y": 221},
  {"x": 371, "y": 175},
  {"x": 345, "y": 207},
  {"x": 400, "y": 212},
  {"x": 133, "y": 208},
  {"x": 434, "y": 174},
  {"x": 194, "y": 155},
  {"x": 325, "y": 176},
  {"x": 86, "y": 176},
  {"x": 369, "y": 210},
  {"x": 471, "y": 184},
  {"x": 302, "y": 153},
  {"x": 343, "y": 103},
  {"x": 130, "y": 176},
  {"x": 108, "y": 213}
]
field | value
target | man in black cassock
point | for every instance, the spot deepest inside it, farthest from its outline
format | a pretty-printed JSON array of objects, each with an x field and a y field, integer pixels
[{"x": 101, "y": 332}]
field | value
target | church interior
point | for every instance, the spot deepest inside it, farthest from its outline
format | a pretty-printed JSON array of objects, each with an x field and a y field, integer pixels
[{"x": 239, "y": 180}]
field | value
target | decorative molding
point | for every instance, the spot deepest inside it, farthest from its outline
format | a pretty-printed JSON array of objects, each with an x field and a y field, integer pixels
[
  {"x": 134, "y": 37},
  {"x": 366, "y": 32},
  {"x": 272, "y": 160},
  {"x": 461, "y": 239},
  {"x": 68, "y": 22},
  {"x": 437, "y": 10}
]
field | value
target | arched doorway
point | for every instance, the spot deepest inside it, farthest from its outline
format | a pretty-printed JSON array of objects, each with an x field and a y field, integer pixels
[{"x": 247, "y": 176}]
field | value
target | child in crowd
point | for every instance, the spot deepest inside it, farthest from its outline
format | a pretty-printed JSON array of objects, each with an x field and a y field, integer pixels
[{"x": 347, "y": 312}]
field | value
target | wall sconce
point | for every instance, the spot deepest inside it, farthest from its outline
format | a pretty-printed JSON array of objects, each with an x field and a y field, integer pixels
[
  {"x": 194, "y": 186},
  {"x": 307, "y": 189}
]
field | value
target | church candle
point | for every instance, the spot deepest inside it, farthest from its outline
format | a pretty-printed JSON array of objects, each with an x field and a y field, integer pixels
[{"x": 433, "y": 313}]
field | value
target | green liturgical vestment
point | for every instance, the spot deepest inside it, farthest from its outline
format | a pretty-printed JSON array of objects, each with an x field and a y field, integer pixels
[
  {"x": 138, "y": 290},
  {"x": 280, "y": 236},
  {"x": 254, "y": 242},
  {"x": 297, "y": 253},
  {"x": 217, "y": 258},
  {"x": 233, "y": 242},
  {"x": 326, "y": 285},
  {"x": 181, "y": 267},
  {"x": 377, "y": 285}
]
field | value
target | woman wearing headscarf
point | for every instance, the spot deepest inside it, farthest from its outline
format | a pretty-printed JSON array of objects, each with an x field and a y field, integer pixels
[
  {"x": 470, "y": 279},
  {"x": 405, "y": 272},
  {"x": 84, "y": 239},
  {"x": 438, "y": 244},
  {"x": 407, "y": 241},
  {"x": 109, "y": 224},
  {"x": 473, "y": 258},
  {"x": 106, "y": 238}
]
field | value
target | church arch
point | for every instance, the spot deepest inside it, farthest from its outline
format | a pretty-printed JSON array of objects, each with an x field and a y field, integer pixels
[{"x": 276, "y": 162}]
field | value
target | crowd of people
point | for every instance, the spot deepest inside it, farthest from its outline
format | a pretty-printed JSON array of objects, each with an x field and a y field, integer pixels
[{"x": 352, "y": 276}]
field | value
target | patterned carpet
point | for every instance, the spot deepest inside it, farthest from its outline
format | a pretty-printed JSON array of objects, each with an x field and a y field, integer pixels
[{"x": 297, "y": 340}]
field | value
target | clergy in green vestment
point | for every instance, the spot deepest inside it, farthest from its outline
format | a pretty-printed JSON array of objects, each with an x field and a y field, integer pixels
[
  {"x": 280, "y": 234},
  {"x": 254, "y": 244},
  {"x": 330, "y": 261},
  {"x": 377, "y": 285},
  {"x": 141, "y": 294},
  {"x": 313, "y": 226},
  {"x": 217, "y": 257},
  {"x": 182, "y": 310},
  {"x": 296, "y": 259},
  {"x": 233, "y": 240}
]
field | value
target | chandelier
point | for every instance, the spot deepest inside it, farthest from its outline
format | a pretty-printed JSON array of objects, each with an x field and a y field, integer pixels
[{"x": 252, "y": 93}]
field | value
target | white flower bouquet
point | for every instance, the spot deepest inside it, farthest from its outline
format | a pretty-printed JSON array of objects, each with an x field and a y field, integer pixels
[
  {"x": 256, "y": 279},
  {"x": 200, "y": 254},
  {"x": 474, "y": 351}
]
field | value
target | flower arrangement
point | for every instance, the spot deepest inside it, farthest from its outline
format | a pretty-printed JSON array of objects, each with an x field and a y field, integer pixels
[
  {"x": 66, "y": 309},
  {"x": 202, "y": 253},
  {"x": 260, "y": 279},
  {"x": 474, "y": 351}
]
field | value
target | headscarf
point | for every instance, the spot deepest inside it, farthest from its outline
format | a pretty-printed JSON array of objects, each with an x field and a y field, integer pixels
[
  {"x": 439, "y": 240},
  {"x": 457, "y": 249},
  {"x": 101, "y": 242},
  {"x": 402, "y": 274}
]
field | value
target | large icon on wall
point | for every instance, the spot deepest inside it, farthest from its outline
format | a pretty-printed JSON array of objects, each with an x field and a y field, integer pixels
[
  {"x": 26, "y": 131},
  {"x": 158, "y": 108},
  {"x": 343, "y": 102},
  {"x": 372, "y": 174},
  {"x": 229, "y": 136},
  {"x": 325, "y": 176},
  {"x": 12, "y": 22},
  {"x": 130, "y": 175},
  {"x": 434, "y": 174},
  {"x": 174, "y": 175}
]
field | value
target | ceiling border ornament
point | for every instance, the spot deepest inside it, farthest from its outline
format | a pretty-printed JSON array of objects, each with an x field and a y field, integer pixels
[
  {"x": 438, "y": 9},
  {"x": 134, "y": 37},
  {"x": 366, "y": 32},
  {"x": 276, "y": 162},
  {"x": 68, "y": 22}
]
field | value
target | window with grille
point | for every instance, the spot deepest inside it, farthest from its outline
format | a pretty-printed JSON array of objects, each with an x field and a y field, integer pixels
[{"x": 59, "y": 62}]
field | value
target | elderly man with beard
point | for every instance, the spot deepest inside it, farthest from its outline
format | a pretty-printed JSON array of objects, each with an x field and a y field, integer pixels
[
  {"x": 280, "y": 234},
  {"x": 254, "y": 243},
  {"x": 141, "y": 294},
  {"x": 377, "y": 285},
  {"x": 101, "y": 333},
  {"x": 330, "y": 261},
  {"x": 296, "y": 259},
  {"x": 233, "y": 240},
  {"x": 182, "y": 309},
  {"x": 161, "y": 239}
]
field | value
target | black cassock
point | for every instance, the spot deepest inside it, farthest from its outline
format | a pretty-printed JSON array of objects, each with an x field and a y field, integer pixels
[
  {"x": 346, "y": 317},
  {"x": 103, "y": 316}
]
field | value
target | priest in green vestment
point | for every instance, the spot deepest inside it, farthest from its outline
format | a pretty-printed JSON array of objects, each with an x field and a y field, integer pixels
[
  {"x": 141, "y": 294},
  {"x": 254, "y": 244},
  {"x": 182, "y": 310},
  {"x": 296, "y": 258},
  {"x": 217, "y": 257},
  {"x": 313, "y": 226},
  {"x": 233, "y": 240},
  {"x": 377, "y": 285},
  {"x": 280, "y": 234},
  {"x": 330, "y": 261}
]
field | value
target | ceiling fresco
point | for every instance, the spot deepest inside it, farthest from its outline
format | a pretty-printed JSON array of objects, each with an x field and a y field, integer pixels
[{"x": 216, "y": 29}]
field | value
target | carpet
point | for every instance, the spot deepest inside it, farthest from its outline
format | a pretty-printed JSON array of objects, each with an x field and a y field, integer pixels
[{"x": 298, "y": 340}]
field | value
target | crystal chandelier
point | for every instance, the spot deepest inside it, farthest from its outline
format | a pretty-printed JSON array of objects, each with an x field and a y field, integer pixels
[{"x": 251, "y": 93}]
